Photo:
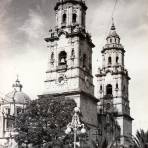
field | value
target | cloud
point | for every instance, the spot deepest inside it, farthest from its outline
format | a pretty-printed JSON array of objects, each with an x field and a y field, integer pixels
[
  {"x": 4, "y": 4},
  {"x": 33, "y": 26}
]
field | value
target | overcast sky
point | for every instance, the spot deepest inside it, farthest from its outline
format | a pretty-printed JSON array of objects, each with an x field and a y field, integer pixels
[{"x": 25, "y": 23}]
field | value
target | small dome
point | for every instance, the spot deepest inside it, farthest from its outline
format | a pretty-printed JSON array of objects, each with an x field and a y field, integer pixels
[
  {"x": 16, "y": 95},
  {"x": 113, "y": 32}
]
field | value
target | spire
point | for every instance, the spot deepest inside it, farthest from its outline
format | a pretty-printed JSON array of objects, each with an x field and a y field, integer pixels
[
  {"x": 112, "y": 32},
  {"x": 17, "y": 85}
]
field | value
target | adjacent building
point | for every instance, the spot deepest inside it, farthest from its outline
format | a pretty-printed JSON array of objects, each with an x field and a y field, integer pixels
[{"x": 13, "y": 103}]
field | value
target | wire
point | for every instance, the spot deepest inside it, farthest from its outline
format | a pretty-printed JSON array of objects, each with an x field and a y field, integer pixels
[
  {"x": 110, "y": 20},
  {"x": 112, "y": 16}
]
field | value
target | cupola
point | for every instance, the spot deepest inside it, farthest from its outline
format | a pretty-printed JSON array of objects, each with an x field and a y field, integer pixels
[
  {"x": 17, "y": 95},
  {"x": 17, "y": 85},
  {"x": 113, "y": 37}
]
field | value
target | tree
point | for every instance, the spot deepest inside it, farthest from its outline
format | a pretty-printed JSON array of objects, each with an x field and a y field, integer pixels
[
  {"x": 141, "y": 139},
  {"x": 102, "y": 144},
  {"x": 44, "y": 121}
]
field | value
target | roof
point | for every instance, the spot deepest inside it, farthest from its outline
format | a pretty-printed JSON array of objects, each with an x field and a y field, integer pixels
[
  {"x": 113, "y": 32},
  {"x": 17, "y": 97}
]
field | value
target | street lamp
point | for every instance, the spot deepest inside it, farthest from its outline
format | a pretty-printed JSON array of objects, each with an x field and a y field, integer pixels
[{"x": 75, "y": 125}]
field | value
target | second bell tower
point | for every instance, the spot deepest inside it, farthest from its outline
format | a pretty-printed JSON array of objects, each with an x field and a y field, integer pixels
[{"x": 112, "y": 84}]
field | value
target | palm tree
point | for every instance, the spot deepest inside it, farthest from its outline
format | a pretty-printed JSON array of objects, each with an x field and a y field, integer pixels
[
  {"x": 102, "y": 144},
  {"x": 141, "y": 139}
]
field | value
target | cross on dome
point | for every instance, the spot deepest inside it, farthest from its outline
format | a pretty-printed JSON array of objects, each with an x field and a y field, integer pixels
[
  {"x": 17, "y": 85},
  {"x": 113, "y": 25}
]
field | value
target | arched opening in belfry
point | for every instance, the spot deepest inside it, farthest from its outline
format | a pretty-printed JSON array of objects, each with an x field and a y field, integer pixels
[
  {"x": 74, "y": 18},
  {"x": 52, "y": 56},
  {"x": 101, "y": 88},
  {"x": 117, "y": 86},
  {"x": 62, "y": 58},
  {"x": 109, "y": 89},
  {"x": 117, "y": 60},
  {"x": 64, "y": 18},
  {"x": 72, "y": 53},
  {"x": 109, "y": 60},
  {"x": 84, "y": 60}
]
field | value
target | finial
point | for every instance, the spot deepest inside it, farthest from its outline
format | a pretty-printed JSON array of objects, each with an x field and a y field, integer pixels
[
  {"x": 17, "y": 86},
  {"x": 113, "y": 25}
]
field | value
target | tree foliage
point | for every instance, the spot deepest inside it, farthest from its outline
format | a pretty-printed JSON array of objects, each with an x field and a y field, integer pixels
[{"x": 44, "y": 120}]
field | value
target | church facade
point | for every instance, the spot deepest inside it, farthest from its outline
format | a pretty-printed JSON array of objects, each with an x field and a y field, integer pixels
[
  {"x": 69, "y": 70},
  {"x": 69, "y": 74}
]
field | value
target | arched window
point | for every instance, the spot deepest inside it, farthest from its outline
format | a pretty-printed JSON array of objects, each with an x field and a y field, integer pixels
[
  {"x": 100, "y": 87},
  {"x": 109, "y": 89},
  {"x": 64, "y": 18},
  {"x": 72, "y": 53},
  {"x": 117, "y": 60},
  {"x": 74, "y": 18},
  {"x": 110, "y": 40},
  {"x": 84, "y": 60},
  {"x": 109, "y": 60},
  {"x": 116, "y": 85},
  {"x": 62, "y": 58},
  {"x": 8, "y": 121},
  {"x": 52, "y": 56}
]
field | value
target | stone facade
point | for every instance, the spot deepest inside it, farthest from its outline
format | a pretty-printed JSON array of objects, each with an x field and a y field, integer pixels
[{"x": 69, "y": 70}]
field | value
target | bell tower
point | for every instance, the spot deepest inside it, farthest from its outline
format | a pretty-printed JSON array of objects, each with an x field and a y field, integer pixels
[
  {"x": 112, "y": 83},
  {"x": 70, "y": 13},
  {"x": 69, "y": 71},
  {"x": 70, "y": 50}
]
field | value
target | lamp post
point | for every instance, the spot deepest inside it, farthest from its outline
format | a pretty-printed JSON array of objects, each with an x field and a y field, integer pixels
[{"x": 75, "y": 125}]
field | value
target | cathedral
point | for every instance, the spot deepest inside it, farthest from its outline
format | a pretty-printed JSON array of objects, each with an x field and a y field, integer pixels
[{"x": 69, "y": 74}]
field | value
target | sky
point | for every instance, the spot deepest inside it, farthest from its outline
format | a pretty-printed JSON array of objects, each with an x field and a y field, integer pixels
[{"x": 25, "y": 23}]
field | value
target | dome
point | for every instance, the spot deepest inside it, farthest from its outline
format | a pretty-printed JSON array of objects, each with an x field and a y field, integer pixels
[{"x": 17, "y": 95}]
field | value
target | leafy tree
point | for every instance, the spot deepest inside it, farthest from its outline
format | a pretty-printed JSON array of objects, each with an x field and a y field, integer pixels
[
  {"x": 44, "y": 121},
  {"x": 141, "y": 139}
]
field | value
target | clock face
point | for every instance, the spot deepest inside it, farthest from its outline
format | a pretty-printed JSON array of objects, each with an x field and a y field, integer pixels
[{"x": 61, "y": 80}]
